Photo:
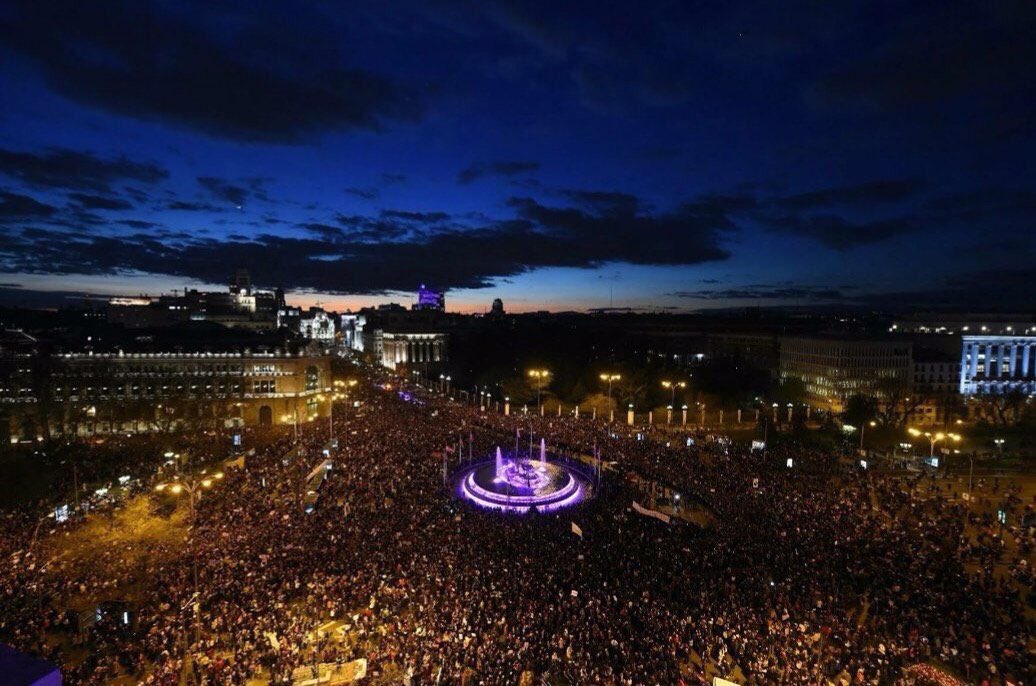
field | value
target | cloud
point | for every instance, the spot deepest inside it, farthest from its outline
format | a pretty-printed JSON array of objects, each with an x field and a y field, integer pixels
[
  {"x": 64, "y": 168},
  {"x": 186, "y": 206},
  {"x": 245, "y": 75},
  {"x": 418, "y": 217},
  {"x": 390, "y": 251},
  {"x": 100, "y": 202},
  {"x": 838, "y": 233},
  {"x": 363, "y": 193},
  {"x": 222, "y": 190},
  {"x": 15, "y": 208},
  {"x": 935, "y": 56},
  {"x": 763, "y": 292},
  {"x": 868, "y": 193},
  {"x": 498, "y": 168}
]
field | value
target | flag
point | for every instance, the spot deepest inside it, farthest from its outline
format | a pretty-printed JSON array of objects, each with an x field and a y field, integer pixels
[{"x": 576, "y": 530}]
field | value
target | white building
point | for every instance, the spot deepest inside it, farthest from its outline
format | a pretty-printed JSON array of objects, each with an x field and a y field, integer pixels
[
  {"x": 317, "y": 325},
  {"x": 994, "y": 365},
  {"x": 352, "y": 331},
  {"x": 393, "y": 349}
]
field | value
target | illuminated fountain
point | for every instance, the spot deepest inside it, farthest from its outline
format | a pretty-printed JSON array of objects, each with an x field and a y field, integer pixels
[{"x": 519, "y": 484}]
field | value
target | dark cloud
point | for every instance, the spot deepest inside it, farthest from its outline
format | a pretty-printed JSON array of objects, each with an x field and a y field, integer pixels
[
  {"x": 941, "y": 52},
  {"x": 388, "y": 179},
  {"x": 763, "y": 292},
  {"x": 363, "y": 193},
  {"x": 607, "y": 201},
  {"x": 982, "y": 290},
  {"x": 223, "y": 190},
  {"x": 100, "y": 202},
  {"x": 497, "y": 168},
  {"x": 64, "y": 168},
  {"x": 245, "y": 75},
  {"x": 418, "y": 217},
  {"x": 839, "y": 233},
  {"x": 186, "y": 206},
  {"x": 843, "y": 217},
  {"x": 137, "y": 223},
  {"x": 15, "y": 208},
  {"x": 866, "y": 194},
  {"x": 387, "y": 252}
]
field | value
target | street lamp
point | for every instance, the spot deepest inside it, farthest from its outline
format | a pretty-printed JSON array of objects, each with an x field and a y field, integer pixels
[
  {"x": 863, "y": 427},
  {"x": 331, "y": 413},
  {"x": 193, "y": 487},
  {"x": 934, "y": 438},
  {"x": 999, "y": 445},
  {"x": 541, "y": 379},
  {"x": 672, "y": 386},
  {"x": 294, "y": 419},
  {"x": 610, "y": 378}
]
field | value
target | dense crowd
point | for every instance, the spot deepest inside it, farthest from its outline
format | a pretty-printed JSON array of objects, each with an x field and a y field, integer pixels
[{"x": 809, "y": 575}]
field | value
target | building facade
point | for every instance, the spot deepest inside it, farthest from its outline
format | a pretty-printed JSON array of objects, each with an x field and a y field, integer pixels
[
  {"x": 240, "y": 306},
  {"x": 393, "y": 349},
  {"x": 835, "y": 369},
  {"x": 352, "y": 331},
  {"x": 430, "y": 299},
  {"x": 995, "y": 365},
  {"x": 86, "y": 394}
]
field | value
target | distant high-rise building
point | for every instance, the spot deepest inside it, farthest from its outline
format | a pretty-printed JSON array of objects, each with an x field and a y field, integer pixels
[
  {"x": 498, "y": 307},
  {"x": 430, "y": 299}
]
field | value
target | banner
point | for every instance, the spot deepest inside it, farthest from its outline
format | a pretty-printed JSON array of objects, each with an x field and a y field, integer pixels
[
  {"x": 660, "y": 516},
  {"x": 576, "y": 530}
]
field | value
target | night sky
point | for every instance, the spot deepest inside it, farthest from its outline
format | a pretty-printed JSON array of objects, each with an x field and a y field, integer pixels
[{"x": 558, "y": 155}]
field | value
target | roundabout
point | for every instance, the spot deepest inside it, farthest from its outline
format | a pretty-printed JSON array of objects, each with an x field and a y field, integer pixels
[{"x": 518, "y": 484}]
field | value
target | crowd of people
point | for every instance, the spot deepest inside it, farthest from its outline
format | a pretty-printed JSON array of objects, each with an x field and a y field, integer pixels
[{"x": 810, "y": 574}]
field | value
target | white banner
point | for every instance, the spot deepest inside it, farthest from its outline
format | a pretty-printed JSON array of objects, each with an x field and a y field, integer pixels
[{"x": 660, "y": 516}]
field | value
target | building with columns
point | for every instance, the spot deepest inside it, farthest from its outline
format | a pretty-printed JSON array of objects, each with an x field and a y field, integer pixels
[
  {"x": 994, "y": 365},
  {"x": 394, "y": 348}
]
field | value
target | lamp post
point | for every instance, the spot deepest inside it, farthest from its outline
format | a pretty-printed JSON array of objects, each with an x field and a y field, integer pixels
[
  {"x": 999, "y": 445},
  {"x": 541, "y": 377},
  {"x": 862, "y": 427},
  {"x": 672, "y": 386},
  {"x": 934, "y": 438},
  {"x": 294, "y": 419},
  {"x": 331, "y": 413},
  {"x": 610, "y": 378},
  {"x": 193, "y": 487}
]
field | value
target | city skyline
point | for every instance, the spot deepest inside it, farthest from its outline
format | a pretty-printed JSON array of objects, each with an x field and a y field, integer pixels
[{"x": 667, "y": 158}]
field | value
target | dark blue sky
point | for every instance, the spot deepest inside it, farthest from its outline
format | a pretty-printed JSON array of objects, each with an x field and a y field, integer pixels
[{"x": 557, "y": 155}]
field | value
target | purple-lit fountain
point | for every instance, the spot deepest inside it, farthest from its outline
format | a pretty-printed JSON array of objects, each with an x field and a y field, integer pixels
[{"x": 519, "y": 483}]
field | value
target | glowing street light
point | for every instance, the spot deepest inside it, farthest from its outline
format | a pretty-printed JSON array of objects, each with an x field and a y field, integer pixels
[
  {"x": 672, "y": 386},
  {"x": 934, "y": 438},
  {"x": 193, "y": 486},
  {"x": 541, "y": 379}
]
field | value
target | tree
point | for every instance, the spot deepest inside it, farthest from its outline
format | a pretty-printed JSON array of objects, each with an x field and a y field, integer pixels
[
  {"x": 860, "y": 409},
  {"x": 791, "y": 389},
  {"x": 519, "y": 390},
  {"x": 896, "y": 402},
  {"x": 1003, "y": 410}
]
